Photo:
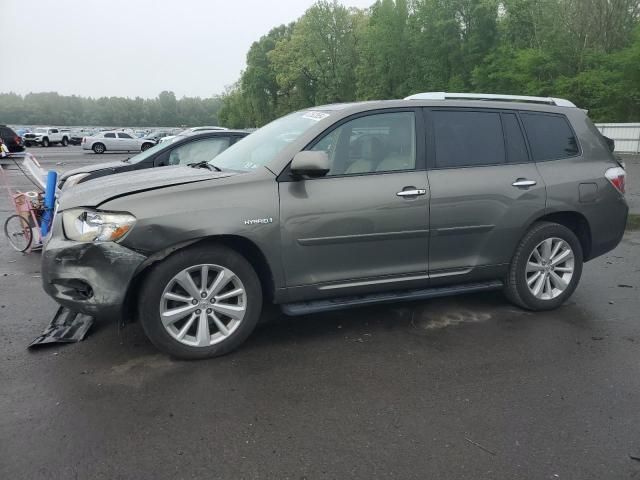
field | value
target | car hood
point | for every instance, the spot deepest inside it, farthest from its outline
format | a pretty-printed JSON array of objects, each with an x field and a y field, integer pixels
[
  {"x": 91, "y": 168},
  {"x": 98, "y": 191}
]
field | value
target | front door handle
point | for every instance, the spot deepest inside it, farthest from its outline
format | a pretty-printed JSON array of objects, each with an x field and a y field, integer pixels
[
  {"x": 411, "y": 193},
  {"x": 523, "y": 182}
]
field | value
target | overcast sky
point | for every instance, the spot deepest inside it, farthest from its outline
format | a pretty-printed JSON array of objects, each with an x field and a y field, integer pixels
[{"x": 134, "y": 47}]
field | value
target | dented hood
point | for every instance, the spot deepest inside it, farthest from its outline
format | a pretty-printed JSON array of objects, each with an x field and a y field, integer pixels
[{"x": 95, "y": 192}]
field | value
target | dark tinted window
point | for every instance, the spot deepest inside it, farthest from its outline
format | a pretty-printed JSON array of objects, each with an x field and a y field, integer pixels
[
  {"x": 550, "y": 136},
  {"x": 514, "y": 139},
  {"x": 109, "y": 135},
  {"x": 465, "y": 139},
  {"x": 124, "y": 135}
]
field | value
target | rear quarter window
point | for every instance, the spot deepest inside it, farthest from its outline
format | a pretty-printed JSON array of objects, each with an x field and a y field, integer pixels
[{"x": 550, "y": 136}]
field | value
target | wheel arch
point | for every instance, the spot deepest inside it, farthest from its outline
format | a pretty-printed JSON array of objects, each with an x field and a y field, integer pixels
[
  {"x": 242, "y": 245},
  {"x": 574, "y": 221}
]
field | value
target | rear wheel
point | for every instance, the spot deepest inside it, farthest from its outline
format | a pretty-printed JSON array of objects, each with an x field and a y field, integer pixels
[
  {"x": 18, "y": 232},
  {"x": 98, "y": 148},
  {"x": 546, "y": 268},
  {"x": 200, "y": 302}
]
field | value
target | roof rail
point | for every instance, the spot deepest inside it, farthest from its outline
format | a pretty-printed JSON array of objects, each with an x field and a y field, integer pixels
[{"x": 559, "y": 102}]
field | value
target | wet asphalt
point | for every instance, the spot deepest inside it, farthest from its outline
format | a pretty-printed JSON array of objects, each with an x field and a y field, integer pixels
[{"x": 467, "y": 387}]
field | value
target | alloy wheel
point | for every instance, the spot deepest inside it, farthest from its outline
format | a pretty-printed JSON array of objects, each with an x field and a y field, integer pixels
[
  {"x": 203, "y": 305},
  {"x": 550, "y": 268}
]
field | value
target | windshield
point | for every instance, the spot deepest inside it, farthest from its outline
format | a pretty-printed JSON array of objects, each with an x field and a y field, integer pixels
[
  {"x": 264, "y": 144},
  {"x": 40, "y": 130},
  {"x": 150, "y": 151}
]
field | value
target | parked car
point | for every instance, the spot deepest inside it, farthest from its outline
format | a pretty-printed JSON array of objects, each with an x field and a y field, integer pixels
[
  {"x": 76, "y": 136},
  {"x": 11, "y": 139},
  {"x": 115, "y": 142},
  {"x": 190, "y": 130},
  {"x": 182, "y": 150},
  {"x": 46, "y": 136},
  {"x": 156, "y": 135},
  {"x": 342, "y": 206}
]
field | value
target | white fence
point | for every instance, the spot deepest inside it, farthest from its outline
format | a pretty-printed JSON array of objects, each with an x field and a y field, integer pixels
[{"x": 626, "y": 135}]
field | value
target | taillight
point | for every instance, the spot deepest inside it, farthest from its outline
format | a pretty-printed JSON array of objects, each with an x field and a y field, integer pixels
[
  {"x": 616, "y": 177},
  {"x": 18, "y": 140}
]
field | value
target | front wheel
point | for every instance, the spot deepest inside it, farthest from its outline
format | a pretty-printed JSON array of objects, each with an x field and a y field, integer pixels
[
  {"x": 65, "y": 142},
  {"x": 200, "y": 302},
  {"x": 45, "y": 142},
  {"x": 546, "y": 268},
  {"x": 18, "y": 232},
  {"x": 146, "y": 146}
]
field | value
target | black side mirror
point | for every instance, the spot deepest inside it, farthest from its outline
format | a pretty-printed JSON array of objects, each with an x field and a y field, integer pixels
[{"x": 310, "y": 164}]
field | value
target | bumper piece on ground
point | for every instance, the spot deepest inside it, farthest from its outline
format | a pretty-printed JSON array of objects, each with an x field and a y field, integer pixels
[{"x": 67, "y": 326}]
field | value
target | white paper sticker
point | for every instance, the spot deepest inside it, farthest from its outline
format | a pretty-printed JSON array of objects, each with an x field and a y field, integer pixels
[{"x": 314, "y": 115}]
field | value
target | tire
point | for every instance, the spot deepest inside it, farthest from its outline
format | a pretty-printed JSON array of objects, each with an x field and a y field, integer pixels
[
  {"x": 529, "y": 270},
  {"x": 98, "y": 148},
  {"x": 65, "y": 141},
  {"x": 162, "y": 282},
  {"x": 45, "y": 142},
  {"x": 146, "y": 146},
  {"x": 27, "y": 144},
  {"x": 18, "y": 232}
]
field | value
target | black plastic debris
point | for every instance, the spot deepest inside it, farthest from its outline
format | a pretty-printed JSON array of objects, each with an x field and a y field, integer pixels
[{"x": 67, "y": 326}]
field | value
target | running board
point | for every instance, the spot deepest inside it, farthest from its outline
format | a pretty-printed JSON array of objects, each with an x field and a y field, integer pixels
[{"x": 316, "y": 306}]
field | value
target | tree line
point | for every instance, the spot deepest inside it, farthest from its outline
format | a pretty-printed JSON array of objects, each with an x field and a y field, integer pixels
[
  {"x": 585, "y": 50},
  {"x": 50, "y": 108}
]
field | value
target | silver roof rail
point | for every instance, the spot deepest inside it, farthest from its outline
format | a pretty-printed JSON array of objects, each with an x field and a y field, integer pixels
[{"x": 559, "y": 102}]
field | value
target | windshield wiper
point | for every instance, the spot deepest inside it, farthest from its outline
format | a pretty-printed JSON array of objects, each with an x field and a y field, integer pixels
[{"x": 204, "y": 164}]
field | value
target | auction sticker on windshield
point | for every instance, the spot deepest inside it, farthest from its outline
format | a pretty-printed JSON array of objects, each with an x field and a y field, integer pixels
[{"x": 317, "y": 116}]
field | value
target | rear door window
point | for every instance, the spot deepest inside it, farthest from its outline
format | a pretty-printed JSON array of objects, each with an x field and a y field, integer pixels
[
  {"x": 550, "y": 136},
  {"x": 109, "y": 135},
  {"x": 467, "y": 138}
]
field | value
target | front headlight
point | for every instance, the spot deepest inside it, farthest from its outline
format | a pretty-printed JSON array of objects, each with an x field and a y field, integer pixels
[
  {"x": 83, "y": 225},
  {"x": 74, "y": 179}
]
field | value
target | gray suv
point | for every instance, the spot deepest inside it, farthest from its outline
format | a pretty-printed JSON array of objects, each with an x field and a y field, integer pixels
[{"x": 344, "y": 205}]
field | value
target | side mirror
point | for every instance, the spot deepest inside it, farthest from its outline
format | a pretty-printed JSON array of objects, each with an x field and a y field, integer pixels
[
  {"x": 310, "y": 164},
  {"x": 610, "y": 143}
]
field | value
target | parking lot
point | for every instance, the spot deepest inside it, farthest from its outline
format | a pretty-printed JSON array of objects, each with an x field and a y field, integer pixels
[{"x": 466, "y": 387}]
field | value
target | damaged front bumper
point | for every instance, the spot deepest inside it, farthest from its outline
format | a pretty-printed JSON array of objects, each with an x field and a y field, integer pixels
[{"x": 91, "y": 278}]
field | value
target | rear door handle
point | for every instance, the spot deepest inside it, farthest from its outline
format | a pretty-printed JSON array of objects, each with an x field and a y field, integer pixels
[
  {"x": 523, "y": 182},
  {"x": 411, "y": 193}
]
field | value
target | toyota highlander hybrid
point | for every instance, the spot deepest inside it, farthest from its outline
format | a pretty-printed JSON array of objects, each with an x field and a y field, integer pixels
[{"x": 344, "y": 205}]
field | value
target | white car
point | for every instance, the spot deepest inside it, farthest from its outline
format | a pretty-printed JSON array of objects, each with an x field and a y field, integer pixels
[
  {"x": 115, "y": 142},
  {"x": 46, "y": 136}
]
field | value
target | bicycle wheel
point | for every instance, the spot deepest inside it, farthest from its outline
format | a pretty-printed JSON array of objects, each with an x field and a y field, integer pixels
[{"x": 18, "y": 232}]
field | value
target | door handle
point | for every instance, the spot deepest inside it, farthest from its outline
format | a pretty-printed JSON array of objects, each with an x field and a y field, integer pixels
[
  {"x": 523, "y": 182},
  {"x": 411, "y": 193}
]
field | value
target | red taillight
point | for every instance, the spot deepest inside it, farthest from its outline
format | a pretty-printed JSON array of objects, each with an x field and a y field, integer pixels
[
  {"x": 616, "y": 177},
  {"x": 18, "y": 140}
]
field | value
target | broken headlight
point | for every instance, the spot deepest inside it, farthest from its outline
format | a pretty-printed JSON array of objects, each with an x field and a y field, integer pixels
[{"x": 83, "y": 225}]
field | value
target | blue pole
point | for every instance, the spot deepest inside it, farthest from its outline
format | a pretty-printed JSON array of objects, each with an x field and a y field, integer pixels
[{"x": 49, "y": 202}]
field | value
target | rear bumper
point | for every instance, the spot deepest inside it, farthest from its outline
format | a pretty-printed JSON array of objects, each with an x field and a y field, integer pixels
[
  {"x": 91, "y": 278},
  {"x": 608, "y": 227}
]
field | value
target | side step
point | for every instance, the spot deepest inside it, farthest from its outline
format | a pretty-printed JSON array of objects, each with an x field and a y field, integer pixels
[{"x": 327, "y": 305}]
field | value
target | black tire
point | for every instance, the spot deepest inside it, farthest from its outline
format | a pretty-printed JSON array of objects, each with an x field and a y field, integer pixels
[
  {"x": 98, "y": 148},
  {"x": 27, "y": 144},
  {"x": 146, "y": 146},
  {"x": 18, "y": 225},
  {"x": 45, "y": 142},
  {"x": 161, "y": 275},
  {"x": 65, "y": 141},
  {"x": 516, "y": 288}
]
